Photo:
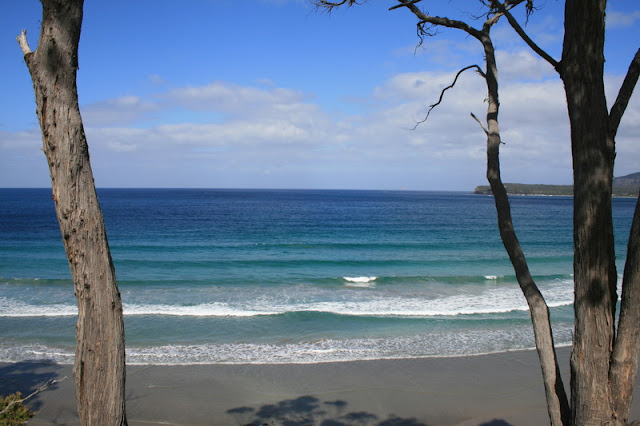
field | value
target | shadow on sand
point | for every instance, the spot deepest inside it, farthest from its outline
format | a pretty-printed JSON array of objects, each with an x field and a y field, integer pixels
[
  {"x": 26, "y": 377},
  {"x": 310, "y": 411}
]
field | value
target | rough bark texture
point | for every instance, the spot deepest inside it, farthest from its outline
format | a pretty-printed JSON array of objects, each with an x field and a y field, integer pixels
[
  {"x": 598, "y": 351},
  {"x": 624, "y": 361},
  {"x": 593, "y": 150},
  {"x": 99, "y": 362}
]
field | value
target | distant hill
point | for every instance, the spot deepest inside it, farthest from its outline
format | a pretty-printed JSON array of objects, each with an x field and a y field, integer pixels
[
  {"x": 623, "y": 186},
  {"x": 629, "y": 180}
]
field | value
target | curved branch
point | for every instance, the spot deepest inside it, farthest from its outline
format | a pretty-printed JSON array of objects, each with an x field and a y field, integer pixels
[
  {"x": 629, "y": 83},
  {"x": 516, "y": 26},
  {"x": 455, "y": 80}
]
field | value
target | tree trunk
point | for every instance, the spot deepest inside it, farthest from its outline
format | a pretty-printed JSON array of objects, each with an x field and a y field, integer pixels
[
  {"x": 624, "y": 362},
  {"x": 595, "y": 277},
  {"x": 557, "y": 401},
  {"x": 99, "y": 369}
]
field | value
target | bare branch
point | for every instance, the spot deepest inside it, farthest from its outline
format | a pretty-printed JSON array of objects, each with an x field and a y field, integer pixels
[
  {"x": 436, "y": 20},
  {"x": 455, "y": 80},
  {"x": 44, "y": 387},
  {"x": 22, "y": 41},
  {"x": 404, "y": 4},
  {"x": 629, "y": 83},
  {"x": 480, "y": 123},
  {"x": 524, "y": 35},
  {"x": 330, "y": 5}
]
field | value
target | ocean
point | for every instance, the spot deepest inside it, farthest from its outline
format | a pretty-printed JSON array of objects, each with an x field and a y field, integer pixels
[{"x": 213, "y": 276}]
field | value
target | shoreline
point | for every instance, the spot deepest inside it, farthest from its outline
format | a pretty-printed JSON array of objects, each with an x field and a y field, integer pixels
[{"x": 497, "y": 389}]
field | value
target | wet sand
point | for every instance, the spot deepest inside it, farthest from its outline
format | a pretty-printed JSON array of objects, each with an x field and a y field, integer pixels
[{"x": 497, "y": 390}]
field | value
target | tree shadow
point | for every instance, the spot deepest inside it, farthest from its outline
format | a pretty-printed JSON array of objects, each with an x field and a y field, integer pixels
[
  {"x": 311, "y": 411},
  {"x": 26, "y": 377}
]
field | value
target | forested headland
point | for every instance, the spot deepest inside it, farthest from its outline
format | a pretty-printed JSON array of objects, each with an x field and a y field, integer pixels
[{"x": 624, "y": 186}]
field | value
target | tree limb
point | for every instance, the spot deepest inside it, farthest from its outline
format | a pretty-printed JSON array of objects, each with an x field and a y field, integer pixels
[
  {"x": 516, "y": 26},
  {"x": 436, "y": 20},
  {"x": 629, "y": 83},
  {"x": 431, "y": 107},
  {"x": 480, "y": 123},
  {"x": 44, "y": 387},
  {"x": 397, "y": 6},
  {"x": 22, "y": 41}
]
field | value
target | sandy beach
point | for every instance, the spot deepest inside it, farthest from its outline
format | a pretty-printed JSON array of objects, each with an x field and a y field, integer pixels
[{"x": 498, "y": 389}]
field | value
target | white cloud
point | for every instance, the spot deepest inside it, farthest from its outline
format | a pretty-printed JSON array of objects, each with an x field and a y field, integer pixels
[
  {"x": 234, "y": 99},
  {"x": 622, "y": 19},
  {"x": 275, "y": 136},
  {"x": 522, "y": 65},
  {"x": 117, "y": 111},
  {"x": 24, "y": 141},
  {"x": 157, "y": 79}
]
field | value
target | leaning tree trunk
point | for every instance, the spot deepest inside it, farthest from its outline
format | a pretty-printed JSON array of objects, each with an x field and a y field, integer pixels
[
  {"x": 557, "y": 401},
  {"x": 593, "y": 150},
  {"x": 99, "y": 369}
]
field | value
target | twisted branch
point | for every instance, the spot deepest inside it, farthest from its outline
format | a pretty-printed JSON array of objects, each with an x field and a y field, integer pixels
[{"x": 455, "y": 80}]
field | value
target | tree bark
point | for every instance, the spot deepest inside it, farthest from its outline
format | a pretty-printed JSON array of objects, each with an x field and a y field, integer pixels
[
  {"x": 556, "y": 397},
  {"x": 593, "y": 150},
  {"x": 99, "y": 368},
  {"x": 624, "y": 361},
  {"x": 557, "y": 401}
]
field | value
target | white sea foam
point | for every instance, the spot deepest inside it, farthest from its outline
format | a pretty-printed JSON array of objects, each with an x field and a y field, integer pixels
[
  {"x": 423, "y": 302},
  {"x": 17, "y": 308},
  {"x": 206, "y": 309},
  {"x": 360, "y": 279},
  {"x": 455, "y": 342},
  {"x": 362, "y": 282}
]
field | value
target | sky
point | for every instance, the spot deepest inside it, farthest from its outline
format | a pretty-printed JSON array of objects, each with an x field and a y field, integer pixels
[{"x": 276, "y": 94}]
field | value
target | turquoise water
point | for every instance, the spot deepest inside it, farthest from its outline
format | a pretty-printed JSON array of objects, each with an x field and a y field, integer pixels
[{"x": 269, "y": 276}]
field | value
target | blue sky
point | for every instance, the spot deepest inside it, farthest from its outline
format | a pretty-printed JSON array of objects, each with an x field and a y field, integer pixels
[{"x": 274, "y": 94}]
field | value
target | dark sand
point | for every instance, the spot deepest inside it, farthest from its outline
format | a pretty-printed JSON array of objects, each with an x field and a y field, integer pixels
[{"x": 497, "y": 390}]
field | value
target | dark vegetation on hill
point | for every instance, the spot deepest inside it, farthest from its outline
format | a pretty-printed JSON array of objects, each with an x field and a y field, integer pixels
[{"x": 624, "y": 186}]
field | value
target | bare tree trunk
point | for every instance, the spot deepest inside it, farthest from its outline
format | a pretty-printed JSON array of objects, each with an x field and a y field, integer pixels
[
  {"x": 624, "y": 360},
  {"x": 557, "y": 401},
  {"x": 595, "y": 277},
  {"x": 99, "y": 369},
  {"x": 598, "y": 350}
]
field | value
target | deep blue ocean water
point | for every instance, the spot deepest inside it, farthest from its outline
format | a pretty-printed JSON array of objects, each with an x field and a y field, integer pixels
[{"x": 270, "y": 276}]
